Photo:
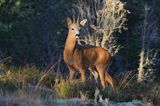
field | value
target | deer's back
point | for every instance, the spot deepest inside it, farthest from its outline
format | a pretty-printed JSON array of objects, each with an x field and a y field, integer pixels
[
  {"x": 92, "y": 55},
  {"x": 86, "y": 55}
]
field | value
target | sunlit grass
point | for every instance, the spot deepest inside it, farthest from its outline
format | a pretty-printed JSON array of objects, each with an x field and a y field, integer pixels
[
  {"x": 67, "y": 89},
  {"x": 31, "y": 82}
]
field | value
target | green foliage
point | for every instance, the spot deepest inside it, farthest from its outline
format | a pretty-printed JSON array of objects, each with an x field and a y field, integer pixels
[
  {"x": 67, "y": 90},
  {"x": 1, "y": 2},
  {"x": 32, "y": 32},
  {"x": 157, "y": 8},
  {"x": 12, "y": 18}
]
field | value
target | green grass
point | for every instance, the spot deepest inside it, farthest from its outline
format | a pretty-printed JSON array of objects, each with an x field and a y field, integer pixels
[{"x": 72, "y": 89}]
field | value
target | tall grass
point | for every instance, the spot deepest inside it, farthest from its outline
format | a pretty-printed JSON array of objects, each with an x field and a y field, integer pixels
[{"x": 30, "y": 85}]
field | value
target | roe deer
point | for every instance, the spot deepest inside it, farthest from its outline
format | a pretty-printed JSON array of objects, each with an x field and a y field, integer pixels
[{"x": 79, "y": 57}]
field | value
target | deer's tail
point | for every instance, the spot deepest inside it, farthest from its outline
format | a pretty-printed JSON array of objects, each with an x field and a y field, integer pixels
[{"x": 109, "y": 80}]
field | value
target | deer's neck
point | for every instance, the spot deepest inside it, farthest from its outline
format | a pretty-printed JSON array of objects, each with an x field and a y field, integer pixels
[{"x": 70, "y": 44}]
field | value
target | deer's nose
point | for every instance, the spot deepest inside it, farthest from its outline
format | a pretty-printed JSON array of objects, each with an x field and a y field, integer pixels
[
  {"x": 77, "y": 34},
  {"x": 76, "y": 31}
]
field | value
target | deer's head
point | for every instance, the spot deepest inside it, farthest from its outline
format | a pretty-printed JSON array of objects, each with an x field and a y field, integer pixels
[{"x": 74, "y": 26}]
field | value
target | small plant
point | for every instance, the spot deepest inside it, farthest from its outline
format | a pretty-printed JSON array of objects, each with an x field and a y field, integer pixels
[{"x": 66, "y": 89}]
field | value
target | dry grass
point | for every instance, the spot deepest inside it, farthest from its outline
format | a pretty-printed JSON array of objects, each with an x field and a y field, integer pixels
[{"x": 20, "y": 84}]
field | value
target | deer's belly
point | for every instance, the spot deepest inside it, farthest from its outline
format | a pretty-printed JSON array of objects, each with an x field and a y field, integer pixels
[{"x": 76, "y": 64}]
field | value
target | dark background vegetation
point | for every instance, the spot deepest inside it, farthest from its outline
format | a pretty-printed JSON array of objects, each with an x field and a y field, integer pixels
[{"x": 34, "y": 32}]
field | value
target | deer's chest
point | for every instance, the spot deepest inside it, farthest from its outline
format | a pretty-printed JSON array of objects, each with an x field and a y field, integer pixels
[{"x": 73, "y": 59}]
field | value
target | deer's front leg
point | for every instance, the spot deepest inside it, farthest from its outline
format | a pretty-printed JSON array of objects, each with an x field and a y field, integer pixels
[
  {"x": 71, "y": 72},
  {"x": 83, "y": 74}
]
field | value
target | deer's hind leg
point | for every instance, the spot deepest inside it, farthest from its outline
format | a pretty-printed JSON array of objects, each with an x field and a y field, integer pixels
[
  {"x": 94, "y": 72},
  {"x": 82, "y": 70},
  {"x": 101, "y": 71}
]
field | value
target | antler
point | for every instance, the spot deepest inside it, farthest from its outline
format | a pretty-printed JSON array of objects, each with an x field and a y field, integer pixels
[
  {"x": 78, "y": 20},
  {"x": 74, "y": 19}
]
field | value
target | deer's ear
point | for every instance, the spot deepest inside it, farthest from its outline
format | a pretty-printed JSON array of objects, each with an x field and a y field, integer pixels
[
  {"x": 83, "y": 22},
  {"x": 69, "y": 21}
]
